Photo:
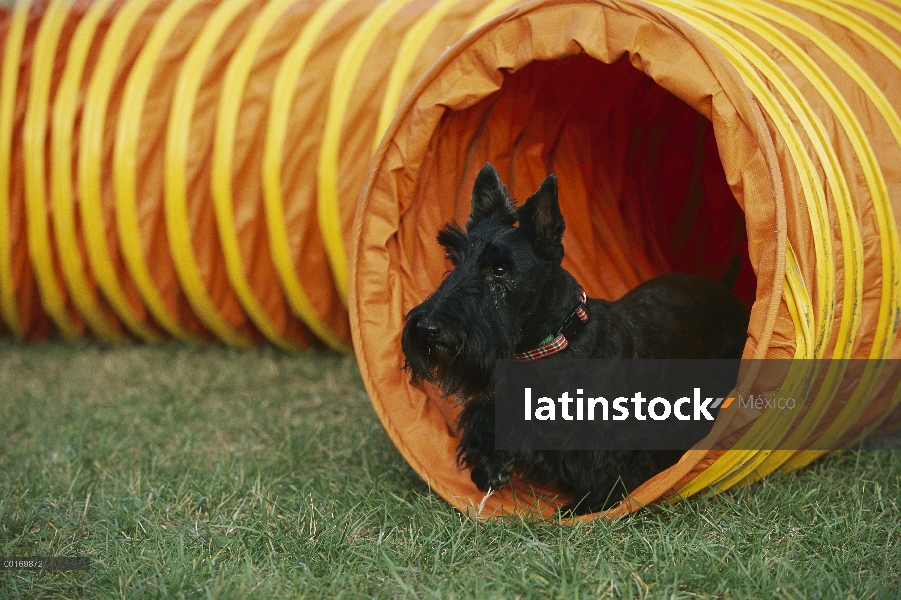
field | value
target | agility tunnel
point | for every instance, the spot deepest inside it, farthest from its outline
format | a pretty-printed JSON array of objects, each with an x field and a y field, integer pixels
[{"x": 257, "y": 172}]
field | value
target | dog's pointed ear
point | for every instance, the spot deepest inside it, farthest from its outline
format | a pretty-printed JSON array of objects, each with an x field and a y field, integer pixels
[
  {"x": 542, "y": 222},
  {"x": 490, "y": 197}
]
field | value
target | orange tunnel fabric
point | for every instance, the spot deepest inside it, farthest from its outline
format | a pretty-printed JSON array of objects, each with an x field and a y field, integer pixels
[
  {"x": 204, "y": 169},
  {"x": 607, "y": 96}
]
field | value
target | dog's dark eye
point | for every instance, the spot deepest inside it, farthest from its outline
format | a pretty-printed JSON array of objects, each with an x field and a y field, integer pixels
[{"x": 498, "y": 270}]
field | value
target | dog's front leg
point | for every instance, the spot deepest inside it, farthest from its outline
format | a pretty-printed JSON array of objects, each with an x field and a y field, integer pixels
[{"x": 491, "y": 468}]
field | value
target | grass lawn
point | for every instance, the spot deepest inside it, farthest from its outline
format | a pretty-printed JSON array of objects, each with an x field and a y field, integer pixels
[{"x": 203, "y": 472}]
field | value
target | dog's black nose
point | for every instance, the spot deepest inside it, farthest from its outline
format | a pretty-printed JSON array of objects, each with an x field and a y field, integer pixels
[{"x": 428, "y": 329}]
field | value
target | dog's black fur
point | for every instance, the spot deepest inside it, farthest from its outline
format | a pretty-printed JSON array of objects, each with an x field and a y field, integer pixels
[{"x": 508, "y": 292}]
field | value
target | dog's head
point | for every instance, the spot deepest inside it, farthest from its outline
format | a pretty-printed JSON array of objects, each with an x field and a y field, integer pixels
[{"x": 476, "y": 314}]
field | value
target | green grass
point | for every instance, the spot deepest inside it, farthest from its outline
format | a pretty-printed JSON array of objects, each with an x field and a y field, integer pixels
[{"x": 203, "y": 472}]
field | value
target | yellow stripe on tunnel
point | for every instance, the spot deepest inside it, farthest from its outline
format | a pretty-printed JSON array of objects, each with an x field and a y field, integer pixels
[
  {"x": 280, "y": 104},
  {"x": 11, "y": 55},
  {"x": 177, "y": 140},
  {"x": 346, "y": 72},
  {"x": 34, "y": 136},
  {"x": 235, "y": 81}
]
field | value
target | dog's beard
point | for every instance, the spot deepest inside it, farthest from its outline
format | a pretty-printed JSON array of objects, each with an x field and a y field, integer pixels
[{"x": 460, "y": 362}]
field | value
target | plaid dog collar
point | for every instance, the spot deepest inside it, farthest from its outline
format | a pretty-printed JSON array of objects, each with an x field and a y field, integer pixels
[{"x": 556, "y": 342}]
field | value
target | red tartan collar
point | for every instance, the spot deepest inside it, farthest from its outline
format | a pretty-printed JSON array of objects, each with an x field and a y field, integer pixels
[{"x": 560, "y": 340}]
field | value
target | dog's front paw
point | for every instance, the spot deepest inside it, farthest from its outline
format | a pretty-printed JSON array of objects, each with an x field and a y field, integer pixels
[{"x": 493, "y": 471}]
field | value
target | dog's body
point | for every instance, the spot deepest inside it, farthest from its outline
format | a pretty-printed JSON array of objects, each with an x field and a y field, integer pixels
[{"x": 508, "y": 294}]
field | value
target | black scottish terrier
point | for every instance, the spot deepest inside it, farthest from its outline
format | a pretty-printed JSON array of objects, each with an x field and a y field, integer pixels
[{"x": 509, "y": 297}]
